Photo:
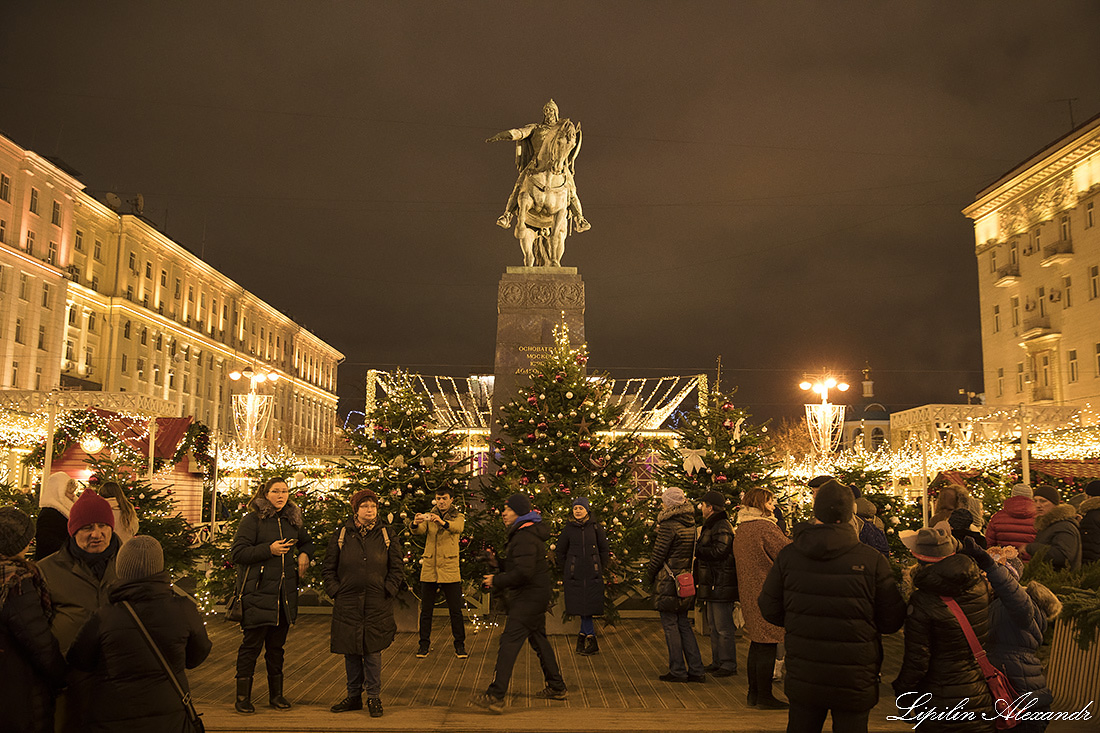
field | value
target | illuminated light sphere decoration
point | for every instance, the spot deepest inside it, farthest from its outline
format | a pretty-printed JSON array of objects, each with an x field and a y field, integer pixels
[{"x": 91, "y": 444}]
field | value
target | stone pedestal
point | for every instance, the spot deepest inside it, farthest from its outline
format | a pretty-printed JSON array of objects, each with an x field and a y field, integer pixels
[{"x": 530, "y": 303}]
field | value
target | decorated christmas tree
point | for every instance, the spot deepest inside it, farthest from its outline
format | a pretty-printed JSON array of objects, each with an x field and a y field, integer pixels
[
  {"x": 557, "y": 443},
  {"x": 403, "y": 455},
  {"x": 718, "y": 449},
  {"x": 156, "y": 510}
]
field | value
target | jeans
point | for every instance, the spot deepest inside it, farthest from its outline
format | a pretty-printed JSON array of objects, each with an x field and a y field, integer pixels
[
  {"x": 529, "y": 627},
  {"x": 588, "y": 626},
  {"x": 453, "y": 593},
  {"x": 807, "y": 719},
  {"x": 723, "y": 645},
  {"x": 682, "y": 645},
  {"x": 270, "y": 638},
  {"x": 364, "y": 668}
]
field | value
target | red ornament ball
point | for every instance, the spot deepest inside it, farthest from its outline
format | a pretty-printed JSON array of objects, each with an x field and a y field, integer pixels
[{"x": 727, "y": 406}]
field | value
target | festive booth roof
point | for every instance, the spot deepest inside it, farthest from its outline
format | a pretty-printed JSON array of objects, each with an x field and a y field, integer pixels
[
  {"x": 1088, "y": 468},
  {"x": 134, "y": 431}
]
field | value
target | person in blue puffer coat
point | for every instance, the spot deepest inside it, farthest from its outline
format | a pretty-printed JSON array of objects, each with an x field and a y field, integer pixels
[{"x": 1018, "y": 617}]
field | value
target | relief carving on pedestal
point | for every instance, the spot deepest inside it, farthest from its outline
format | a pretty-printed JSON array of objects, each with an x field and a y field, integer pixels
[{"x": 541, "y": 294}]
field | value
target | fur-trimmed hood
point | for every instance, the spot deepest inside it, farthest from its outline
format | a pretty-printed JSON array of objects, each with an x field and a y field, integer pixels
[
  {"x": 675, "y": 511},
  {"x": 1045, "y": 599},
  {"x": 1093, "y": 502},
  {"x": 266, "y": 509},
  {"x": 1061, "y": 512}
]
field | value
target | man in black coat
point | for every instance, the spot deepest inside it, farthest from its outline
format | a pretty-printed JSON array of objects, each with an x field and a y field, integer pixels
[
  {"x": 716, "y": 582},
  {"x": 527, "y": 578},
  {"x": 835, "y": 597}
]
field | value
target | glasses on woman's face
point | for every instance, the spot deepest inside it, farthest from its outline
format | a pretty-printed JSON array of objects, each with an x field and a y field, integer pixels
[{"x": 279, "y": 492}]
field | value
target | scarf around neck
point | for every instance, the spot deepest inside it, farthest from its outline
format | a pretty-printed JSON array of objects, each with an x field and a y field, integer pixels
[{"x": 13, "y": 571}]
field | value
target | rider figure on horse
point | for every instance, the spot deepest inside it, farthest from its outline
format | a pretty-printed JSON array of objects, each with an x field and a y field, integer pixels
[{"x": 534, "y": 137}]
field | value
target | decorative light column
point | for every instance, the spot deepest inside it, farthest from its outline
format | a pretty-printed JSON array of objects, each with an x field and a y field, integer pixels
[
  {"x": 252, "y": 411},
  {"x": 824, "y": 420}
]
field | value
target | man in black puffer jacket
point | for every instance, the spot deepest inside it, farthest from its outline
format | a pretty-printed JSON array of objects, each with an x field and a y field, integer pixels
[
  {"x": 526, "y": 577},
  {"x": 835, "y": 596},
  {"x": 716, "y": 580}
]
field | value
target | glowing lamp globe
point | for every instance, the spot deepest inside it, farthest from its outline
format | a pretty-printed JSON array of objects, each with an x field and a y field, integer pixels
[
  {"x": 805, "y": 385},
  {"x": 91, "y": 444},
  {"x": 234, "y": 375}
]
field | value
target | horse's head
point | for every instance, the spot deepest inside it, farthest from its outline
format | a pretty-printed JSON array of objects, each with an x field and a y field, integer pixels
[{"x": 556, "y": 147}]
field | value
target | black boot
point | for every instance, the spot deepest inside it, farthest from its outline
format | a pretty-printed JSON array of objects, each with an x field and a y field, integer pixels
[
  {"x": 765, "y": 668},
  {"x": 351, "y": 702},
  {"x": 580, "y": 643},
  {"x": 275, "y": 692},
  {"x": 751, "y": 665},
  {"x": 591, "y": 646},
  {"x": 243, "y": 705}
]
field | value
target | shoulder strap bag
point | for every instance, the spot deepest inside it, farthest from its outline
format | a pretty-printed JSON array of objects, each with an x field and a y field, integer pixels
[
  {"x": 234, "y": 611},
  {"x": 999, "y": 686},
  {"x": 194, "y": 718},
  {"x": 685, "y": 582}
]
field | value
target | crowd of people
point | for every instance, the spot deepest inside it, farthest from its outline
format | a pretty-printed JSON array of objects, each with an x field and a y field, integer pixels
[{"x": 93, "y": 635}]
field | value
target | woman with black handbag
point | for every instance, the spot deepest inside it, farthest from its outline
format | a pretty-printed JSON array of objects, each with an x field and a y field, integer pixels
[
  {"x": 272, "y": 550},
  {"x": 138, "y": 646}
]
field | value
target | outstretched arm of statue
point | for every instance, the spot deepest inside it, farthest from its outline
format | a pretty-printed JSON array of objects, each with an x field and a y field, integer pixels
[{"x": 517, "y": 134}]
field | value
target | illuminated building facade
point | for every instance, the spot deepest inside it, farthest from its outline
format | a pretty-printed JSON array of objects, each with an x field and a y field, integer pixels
[
  {"x": 1037, "y": 241},
  {"x": 94, "y": 299}
]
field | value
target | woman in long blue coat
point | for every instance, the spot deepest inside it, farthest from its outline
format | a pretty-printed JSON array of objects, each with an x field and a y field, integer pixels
[{"x": 583, "y": 556}]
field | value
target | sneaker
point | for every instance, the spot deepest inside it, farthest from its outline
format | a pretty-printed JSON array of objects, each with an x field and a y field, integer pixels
[
  {"x": 487, "y": 701},
  {"x": 696, "y": 678},
  {"x": 549, "y": 693},
  {"x": 374, "y": 706},
  {"x": 669, "y": 677},
  {"x": 423, "y": 650},
  {"x": 460, "y": 651}
]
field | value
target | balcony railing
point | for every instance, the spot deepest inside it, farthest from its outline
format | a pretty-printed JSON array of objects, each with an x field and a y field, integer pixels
[
  {"x": 1057, "y": 253},
  {"x": 1007, "y": 275}
]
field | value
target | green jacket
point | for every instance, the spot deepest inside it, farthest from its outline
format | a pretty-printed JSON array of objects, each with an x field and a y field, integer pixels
[
  {"x": 75, "y": 592},
  {"x": 439, "y": 564}
]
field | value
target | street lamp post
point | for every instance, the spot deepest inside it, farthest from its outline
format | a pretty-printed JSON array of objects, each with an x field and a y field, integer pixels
[
  {"x": 252, "y": 411},
  {"x": 825, "y": 419}
]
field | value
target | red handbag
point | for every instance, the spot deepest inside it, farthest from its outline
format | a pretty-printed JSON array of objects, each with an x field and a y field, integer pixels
[
  {"x": 999, "y": 686},
  {"x": 685, "y": 582}
]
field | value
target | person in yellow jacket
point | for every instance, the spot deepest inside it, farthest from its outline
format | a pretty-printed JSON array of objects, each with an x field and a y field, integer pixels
[{"x": 439, "y": 569}]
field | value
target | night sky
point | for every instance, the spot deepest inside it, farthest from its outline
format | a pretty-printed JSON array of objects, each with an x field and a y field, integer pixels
[{"x": 777, "y": 183}]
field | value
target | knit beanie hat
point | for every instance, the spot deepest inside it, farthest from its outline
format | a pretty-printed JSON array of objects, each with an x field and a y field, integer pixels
[
  {"x": 673, "y": 497},
  {"x": 139, "y": 558},
  {"x": 16, "y": 531},
  {"x": 865, "y": 508},
  {"x": 1049, "y": 493},
  {"x": 519, "y": 503},
  {"x": 715, "y": 498},
  {"x": 1093, "y": 488},
  {"x": 1022, "y": 490},
  {"x": 583, "y": 501},
  {"x": 834, "y": 503},
  {"x": 90, "y": 508},
  {"x": 960, "y": 519},
  {"x": 360, "y": 496}
]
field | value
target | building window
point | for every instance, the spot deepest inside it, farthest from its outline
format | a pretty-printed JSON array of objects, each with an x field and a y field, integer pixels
[
  {"x": 160, "y": 342},
  {"x": 1088, "y": 216},
  {"x": 3, "y": 231},
  {"x": 164, "y": 278},
  {"x": 124, "y": 363},
  {"x": 996, "y": 318},
  {"x": 55, "y": 216},
  {"x": 149, "y": 270},
  {"x": 1000, "y": 381},
  {"x": 72, "y": 315},
  {"x": 1094, "y": 282},
  {"x": 993, "y": 261},
  {"x": 1044, "y": 370},
  {"x": 97, "y": 251},
  {"x": 38, "y": 378},
  {"x": 95, "y": 282},
  {"x": 34, "y": 200},
  {"x": 88, "y": 360},
  {"x": 1037, "y": 240},
  {"x": 1014, "y": 254},
  {"x": 1098, "y": 360},
  {"x": 5, "y": 188},
  {"x": 42, "y": 338},
  {"x": 24, "y": 286},
  {"x": 133, "y": 263},
  {"x": 130, "y": 292},
  {"x": 91, "y": 322},
  {"x": 69, "y": 350},
  {"x": 1074, "y": 370},
  {"x": 179, "y": 288},
  {"x": 1014, "y": 308},
  {"x": 190, "y": 294},
  {"x": 15, "y": 374},
  {"x": 51, "y": 255},
  {"x": 156, "y": 374},
  {"x": 1041, "y": 294},
  {"x": 1067, "y": 292},
  {"x": 126, "y": 330},
  {"x": 18, "y": 330},
  {"x": 1065, "y": 228},
  {"x": 78, "y": 241},
  {"x": 144, "y": 336},
  {"x": 30, "y": 242},
  {"x": 1020, "y": 376},
  {"x": 141, "y": 368}
]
